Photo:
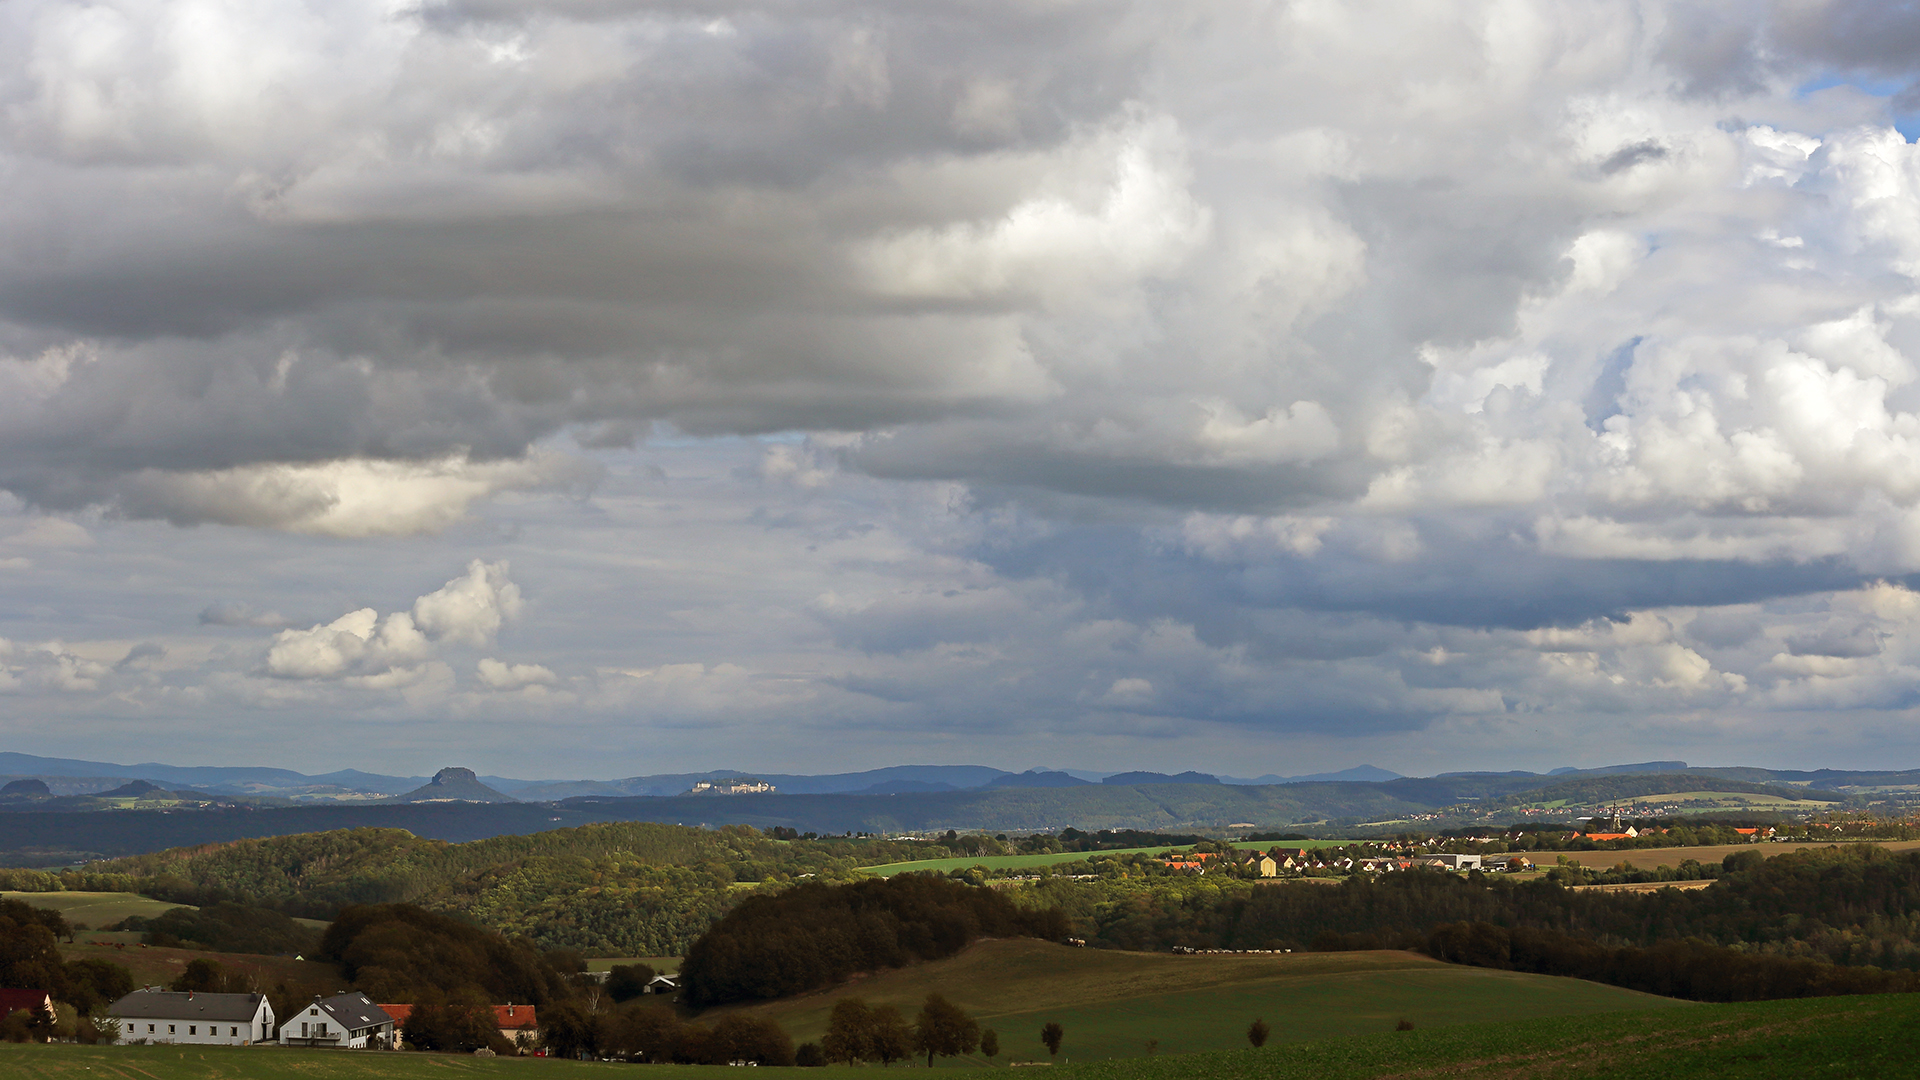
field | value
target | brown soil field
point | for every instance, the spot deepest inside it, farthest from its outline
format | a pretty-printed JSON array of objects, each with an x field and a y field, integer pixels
[{"x": 1649, "y": 858}]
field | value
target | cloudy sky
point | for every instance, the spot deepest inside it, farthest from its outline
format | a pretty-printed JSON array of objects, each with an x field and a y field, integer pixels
[{"x": 593, "y": 388}]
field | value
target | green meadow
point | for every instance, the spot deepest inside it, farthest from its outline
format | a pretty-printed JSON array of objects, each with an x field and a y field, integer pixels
[
  {"x": 1844, "y": 1038},
  {"x": 1836, "y": 1038},
  {"x": 1114, "y": 1003},
  {"x": 94, "y": 908}
]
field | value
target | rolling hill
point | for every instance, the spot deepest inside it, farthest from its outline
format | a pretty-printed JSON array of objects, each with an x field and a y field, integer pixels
[{"x": 1113, "y": 1002}]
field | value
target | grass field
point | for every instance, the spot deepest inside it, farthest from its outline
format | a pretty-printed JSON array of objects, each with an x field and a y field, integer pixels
[
  {"x": 30, "y": 1062},
  {"x": 154, "y": 966},
  {"x": 1112, "y": 1002},
  {"x": 1854, "y": 1038},
  {"x": 1029, "y": 862},
  {"x": 94, "y": 908},
  {"x": 1849, "y": 1038}
]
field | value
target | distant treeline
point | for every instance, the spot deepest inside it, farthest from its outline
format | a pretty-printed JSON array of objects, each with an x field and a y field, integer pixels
[
  {"x": 224, "y": 927},
  {"x": 1692, "y": 970},
  {"x": 1854, "y": 905},
  {"x": 815, "y": 935}
]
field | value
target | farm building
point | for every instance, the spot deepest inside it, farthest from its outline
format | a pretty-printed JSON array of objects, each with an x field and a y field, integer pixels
[
  {"x": 171, "y": 1016},
  {"x": 343, "y": 1021}
]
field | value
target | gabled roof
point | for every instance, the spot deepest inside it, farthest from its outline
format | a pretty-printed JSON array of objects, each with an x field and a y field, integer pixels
[
  {"x": 187, "y": 1005},
  {"x": 12, "y": 1001},
  {"x": 352, "y": 1011}
]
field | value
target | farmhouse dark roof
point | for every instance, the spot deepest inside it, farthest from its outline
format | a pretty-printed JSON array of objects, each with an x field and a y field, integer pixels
[
  {"x": 177, "y": 1005},
  {"x": 353, "y": 1011}
]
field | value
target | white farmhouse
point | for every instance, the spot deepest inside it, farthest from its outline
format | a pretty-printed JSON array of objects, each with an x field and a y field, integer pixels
[
  {"x": 172, "y": 1016},
  {"x": 344, "y": 1021}
]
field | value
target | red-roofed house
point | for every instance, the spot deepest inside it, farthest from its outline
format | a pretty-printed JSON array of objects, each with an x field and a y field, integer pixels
[
  {"x": 37, "y": 1004},
  {"x": 517, "y": 1024},
  {"x": 514, "y": 1022}
]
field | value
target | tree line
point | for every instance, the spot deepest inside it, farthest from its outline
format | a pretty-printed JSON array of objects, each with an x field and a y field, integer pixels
[
  {"x": 815, "y": 935},
  {"x": 30, "y": 958}
]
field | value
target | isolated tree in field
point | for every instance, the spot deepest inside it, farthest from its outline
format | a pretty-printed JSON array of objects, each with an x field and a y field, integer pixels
[
  {"x": 849, "y": 1036},
  {"x": 989, "y": 1043},
  {"x": 1051, "y": 1035},
  {"x": 892, "y": 1037},
  {"x": 945, "y": 1029},
  {"x": 1257, "y": 1034}
]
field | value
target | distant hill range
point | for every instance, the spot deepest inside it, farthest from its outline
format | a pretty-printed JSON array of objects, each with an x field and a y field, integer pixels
[
  {"x": 49, "y": 808},
  {"x": 65, "y": 776},
  {"x": 460, "y": 808}
]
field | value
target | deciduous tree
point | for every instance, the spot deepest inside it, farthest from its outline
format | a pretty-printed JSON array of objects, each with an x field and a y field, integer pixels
[
  {"x": 1051, "y": 1035},
  {"x": 945, "y": 1029}
]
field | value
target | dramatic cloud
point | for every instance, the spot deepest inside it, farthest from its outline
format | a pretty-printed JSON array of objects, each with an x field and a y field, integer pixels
[
  {"x": 1114, "y": 373},
  {"x": 468, "y": 610}
]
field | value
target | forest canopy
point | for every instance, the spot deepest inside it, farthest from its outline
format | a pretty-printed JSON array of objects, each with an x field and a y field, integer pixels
[
  {"x": 815, "y": 935},
  {"x": 398, "y": 952}
]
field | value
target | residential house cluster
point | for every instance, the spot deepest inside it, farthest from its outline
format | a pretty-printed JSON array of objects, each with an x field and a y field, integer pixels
[{"x": 350, "y": 1021}]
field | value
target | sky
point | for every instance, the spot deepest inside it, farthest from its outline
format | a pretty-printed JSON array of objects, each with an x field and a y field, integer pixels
[{"x": 588, "y": 388}]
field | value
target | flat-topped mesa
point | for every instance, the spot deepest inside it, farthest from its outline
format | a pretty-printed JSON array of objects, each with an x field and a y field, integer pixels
[{"x": 454, "y": 784}]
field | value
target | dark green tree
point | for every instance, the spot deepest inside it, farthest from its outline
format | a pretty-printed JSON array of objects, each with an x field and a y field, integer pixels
[
  {"x": 647, "y": 1031},
  {"x": 628, "y": 981},
  {"x": 94, "y": 984},
  {"x": 201, "y": 976},
  {"x": 945, "y": 1029},
  {"x": 1257, "y": 1033},
  {"x": 1051, "y": 1035},
  {"x": 744, "y": 1037},
  {"x": 849, "y": 1037},
  {"x": 568, "y": 1030},
  {"x": 989, "y": 1043},
  {"x": 892, "y": 1037}
]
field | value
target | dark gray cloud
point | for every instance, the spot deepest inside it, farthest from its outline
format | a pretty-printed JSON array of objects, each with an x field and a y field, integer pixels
[{"x": 1063, "y": 374}]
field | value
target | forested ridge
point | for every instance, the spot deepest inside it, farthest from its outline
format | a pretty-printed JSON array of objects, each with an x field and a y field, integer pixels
[
  {"x": 619, "y": 889},
  {"x": 1857, "y": 904}
]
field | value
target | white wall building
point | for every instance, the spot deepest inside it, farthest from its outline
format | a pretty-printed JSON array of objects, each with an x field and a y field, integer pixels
[
  {"x": 345, "y": 1021},
  {"x": 172, "y": 1016}
]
